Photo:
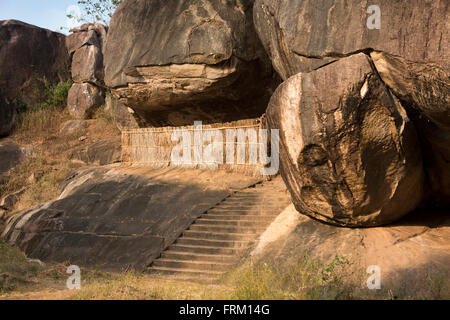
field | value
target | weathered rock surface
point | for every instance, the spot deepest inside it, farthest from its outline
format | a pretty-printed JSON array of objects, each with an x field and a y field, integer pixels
[
  {"x": 124, "y": 117},
  {"x": 349, "y": 154},
  {"x": 10, "y": 155},
  {"x": 112, "y": 218},
  {"x": 93, "y": 34},
  {"x": 83, "y": 99},
  {"x": 8, "y": 201},
  {"x": 86, "y": 45},
  {"x": 205, "y": 64},
  {"x": 424, "y": 89},
  {"x": 8, "y": 115},
  {"x": 72, "y": 127},
  {"x": 87, "y": 65},
  {"x": 99, "y": 153},
  {"x": 29, "y": 54},
  {"x": 413, "y": 253},
  {"x": 301, "y": 36}
]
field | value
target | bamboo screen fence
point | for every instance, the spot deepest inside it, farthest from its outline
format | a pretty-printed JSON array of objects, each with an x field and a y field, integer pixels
[{"x": 153, "y": 147}]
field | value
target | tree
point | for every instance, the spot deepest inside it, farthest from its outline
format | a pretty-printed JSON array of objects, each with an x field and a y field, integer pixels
[{"x": 95, "y": 11}]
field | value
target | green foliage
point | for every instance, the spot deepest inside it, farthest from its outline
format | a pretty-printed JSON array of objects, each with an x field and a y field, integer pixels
[
  {"x": 57, "y": 95},
  {"x": 42, "y": 117},
  {"x": 97, "y": 10}
]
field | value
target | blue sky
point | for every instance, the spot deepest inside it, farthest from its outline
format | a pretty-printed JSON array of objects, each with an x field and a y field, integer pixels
[{"x": 50, "y": 14}]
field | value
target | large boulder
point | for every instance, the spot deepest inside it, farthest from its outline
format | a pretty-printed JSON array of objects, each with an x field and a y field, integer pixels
[
  {"x": 350, "y": 155},
  {"x": 425, "y": 89},
  {"x": 205, "y": 63},
  {"x": 301, "y": 36},
  {"x": 86, "y": 45},
  {"x": 8, "y": 115},
  {"x": 93, "y": 34},
  {"x": 83, "y": 99},
  {"x": 28, "y": 55},
  {"x": 87, "y": 65}
]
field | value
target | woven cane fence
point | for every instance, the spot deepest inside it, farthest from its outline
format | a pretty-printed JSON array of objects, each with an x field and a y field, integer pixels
[{"x": 153, "y": 147}]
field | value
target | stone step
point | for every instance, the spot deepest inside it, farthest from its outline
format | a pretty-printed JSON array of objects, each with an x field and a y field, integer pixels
[
  {"x": 267, "y": 189},
  {"x": 192, "y": 265},
  {"x": 209, "y": 250},
  {"x": 214, "y": 243},
  {"x": 185, "y": 272},
  {"x": 186, "y": 256},
  {"x": 245, "y": 212},
  {"x": 257, "y": 197},
  {"x": 219, "y": 236},
  {"x": 226, "y": 229},
  {"x": 253, "y": 223},
  {"x": 249, "y": 206},
  {"x": 239, "y": 217}
]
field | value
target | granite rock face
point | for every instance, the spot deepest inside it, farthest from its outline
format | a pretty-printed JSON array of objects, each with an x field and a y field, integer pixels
[
  {"x": 207, "y": 63},
  {"x": 112, "y": 219},
  {"x": 99, "y": 153},
  {"x": 425, "y": 89},
  {"x": 89, "y": 34},
  {"x": 28, "y": 54},
  {"x": 350, "y": 155},
  {"x": 301, "y": 36},
  {"x": 30, "y": 57},
  {"x": 86, "y": 46},
  {"x": 87, "y": 65}
]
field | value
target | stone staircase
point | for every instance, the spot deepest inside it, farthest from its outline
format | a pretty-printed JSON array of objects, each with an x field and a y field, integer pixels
[{"x": 217, "y": 240}]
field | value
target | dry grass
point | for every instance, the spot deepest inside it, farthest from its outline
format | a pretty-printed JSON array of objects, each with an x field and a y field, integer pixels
[
  {"x": 303, "y": 280},
  {"x": 48, "y": 163},
  {"x": 133, "y": 286},
  {"x": 306, "y": 279},
  {"x": 15, "y": 269}
]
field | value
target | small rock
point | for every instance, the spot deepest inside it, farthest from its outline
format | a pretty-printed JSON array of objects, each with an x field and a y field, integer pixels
[
  {"x": 10, "y": 200},
  {"x": 2, "y": 214},
  {"x": 36, "y": 261},
  {"x": 31, "y": 179},
  {"x": 83, "y": 138}
]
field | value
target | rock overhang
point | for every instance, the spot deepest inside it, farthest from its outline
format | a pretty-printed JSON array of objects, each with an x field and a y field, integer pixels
[{"x": 206, "y": 61}]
